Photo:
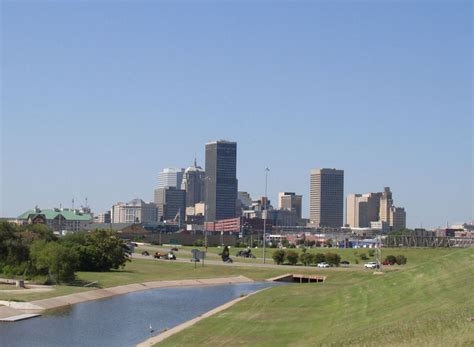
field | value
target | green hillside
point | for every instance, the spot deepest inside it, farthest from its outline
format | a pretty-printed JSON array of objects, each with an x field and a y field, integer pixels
[{"x": 426, "y": 304}]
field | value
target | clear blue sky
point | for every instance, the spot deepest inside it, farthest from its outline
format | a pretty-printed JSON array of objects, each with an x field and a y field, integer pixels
[{"x": 98, "y": 97}]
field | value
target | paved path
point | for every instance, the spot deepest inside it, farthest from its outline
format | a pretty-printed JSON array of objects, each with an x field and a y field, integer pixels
[{"x": 238, "y": 264}]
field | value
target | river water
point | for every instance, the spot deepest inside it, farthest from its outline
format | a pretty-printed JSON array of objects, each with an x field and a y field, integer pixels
[{"x": 122, "y": 320}]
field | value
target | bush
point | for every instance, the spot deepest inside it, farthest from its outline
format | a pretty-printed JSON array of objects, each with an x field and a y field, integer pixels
[
  {"x": 292, "y": 257},
  {"x": 401, "y": 260},
  {"x": 333, "y": 258},
  {"x": 306, "y": 258},
  {"x": 319, "y": 258},
  {"x": 356, "y": 261},
  {"x": 54, "y": 259},
  {"x": 363, "y": 256},
  {"x": 279, "y": 256},
  {"x": 391, "y": 259},
  {"x": 371, "y": 252}
]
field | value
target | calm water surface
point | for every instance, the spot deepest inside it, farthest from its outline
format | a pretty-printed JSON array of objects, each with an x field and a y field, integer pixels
[{"x": 122, "y": 320}]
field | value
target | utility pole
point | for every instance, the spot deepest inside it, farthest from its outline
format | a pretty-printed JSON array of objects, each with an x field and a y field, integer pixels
[{"x": 265, "y": 216}]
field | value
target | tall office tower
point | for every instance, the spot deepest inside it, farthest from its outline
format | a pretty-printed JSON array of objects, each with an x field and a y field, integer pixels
[
  {"x": 361, "y": 209},
  {"x": 221, "y": 180},
  {"x": 327, "y": 197},
  {"x": 397, "y": 218},
  {"x": 170, "y": 177},
  {"x": 356, "y": 211},
  {"x": 193, "y": 184},
  {"x": 170, "y": 202},
  {"x": 373, "y": 206},
  {"x": 386, "y": 203},
  {"x": 291, "y": 202}
]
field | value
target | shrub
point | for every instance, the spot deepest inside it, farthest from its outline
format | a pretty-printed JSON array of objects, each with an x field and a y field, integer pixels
[
  {"x": 279, "y": 256},
  {"x": 333, "y": 258},
  {"x": 401, "y": 260},
  {"x": 356, "y": 261},
  {"x": 391, "y": 259},
  {"x": 292, "y": 257},
  {"x": 306, "y": 258},
  {"x": 319, "y": 258},
  {"x": 371, "y": 252},
  {"x": 363, "y": 256}
]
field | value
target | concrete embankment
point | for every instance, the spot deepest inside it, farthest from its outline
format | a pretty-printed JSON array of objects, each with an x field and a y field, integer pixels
[
  {"x": 16, "y": 308},
  {"x": 164, "y": 335}
]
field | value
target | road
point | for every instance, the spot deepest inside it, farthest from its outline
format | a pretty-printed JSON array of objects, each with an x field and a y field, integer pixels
[{"x": 221, "y": 263}]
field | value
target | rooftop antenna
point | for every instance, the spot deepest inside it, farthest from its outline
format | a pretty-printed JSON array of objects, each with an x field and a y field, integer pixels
[
  {"x": 87, "y": 204},
  {"x": 195, "y": 160},
  {"x": 73, "y": 203}
]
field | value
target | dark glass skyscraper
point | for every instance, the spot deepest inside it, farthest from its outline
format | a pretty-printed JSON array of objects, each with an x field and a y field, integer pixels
[{"x": 221, "y": 180}]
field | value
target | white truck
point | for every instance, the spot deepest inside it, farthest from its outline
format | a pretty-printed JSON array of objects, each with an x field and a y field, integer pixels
[{"x": 371, "y": 265}]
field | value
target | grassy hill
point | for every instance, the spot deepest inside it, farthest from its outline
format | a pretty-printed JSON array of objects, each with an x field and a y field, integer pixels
[{"x": 426, "y": 304}]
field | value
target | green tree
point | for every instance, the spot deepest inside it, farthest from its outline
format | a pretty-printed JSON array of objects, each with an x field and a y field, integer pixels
[
  {"x": 292, "y": 257},
  {"x": 319, "y": 258},
  {"x": 103, "y": 250},
  {"x": 306, "y": 258},
  {"x": 42, "y": 232},
  {"x": 279, "y": 256},
  {"x": 14, "y": 252},
  {"x": 56, "y": 260},
  {"x": 333, "y": 258},
  {"x": 363, "y": 256}
]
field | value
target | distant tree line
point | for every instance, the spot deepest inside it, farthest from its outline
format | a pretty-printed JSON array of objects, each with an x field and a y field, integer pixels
[
  {"x": 34, "y": 251},
  {"x": 291, "y": 257}
]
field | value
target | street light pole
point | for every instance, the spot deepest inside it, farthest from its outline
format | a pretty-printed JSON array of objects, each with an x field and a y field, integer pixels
[{"x": 265, "y": 216}]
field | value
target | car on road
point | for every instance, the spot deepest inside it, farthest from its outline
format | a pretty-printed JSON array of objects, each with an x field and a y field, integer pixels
[
  {"x": 371, "y": 265},
  {"x": 345, "y": 263},
  {"x": 324, "y": 265}
]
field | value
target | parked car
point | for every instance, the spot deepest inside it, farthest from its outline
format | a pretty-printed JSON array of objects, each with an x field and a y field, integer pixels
[
  {"x": 324, "y": 265},
  {"x": 145, "y": 253},
  {"x": 170, "y": 256},
  {"x": 344, "y": 263},
  {"x": 174, "y": 249},
  {"x": 371, "y": 265}
]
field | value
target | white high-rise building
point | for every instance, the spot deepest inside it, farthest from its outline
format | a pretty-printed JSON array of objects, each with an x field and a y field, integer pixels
[
  {"x": 170, "y": 177},
  {"x": 136, "y": 211}
]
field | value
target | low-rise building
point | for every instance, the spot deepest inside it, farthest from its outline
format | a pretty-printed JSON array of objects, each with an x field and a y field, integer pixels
[
  {"x": 135, "y": 211},
  {"x": 58, "y": 219}
]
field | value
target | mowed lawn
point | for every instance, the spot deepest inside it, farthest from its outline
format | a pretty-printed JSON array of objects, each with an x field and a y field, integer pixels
[
  {"x": 425, "y": 304},
  {"x": 415, "y": 255},
  {"x": 138, "y": 271}
]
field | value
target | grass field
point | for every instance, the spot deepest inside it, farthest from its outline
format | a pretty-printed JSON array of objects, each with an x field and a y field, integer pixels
[
  {"x": 415, "y": 255},
  {"x": 427, "y": 303}
]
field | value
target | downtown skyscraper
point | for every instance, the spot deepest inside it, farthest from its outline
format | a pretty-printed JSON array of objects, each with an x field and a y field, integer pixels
[
  {"x": 327, "y": 198},
  {"x": 221, "y": 180}
]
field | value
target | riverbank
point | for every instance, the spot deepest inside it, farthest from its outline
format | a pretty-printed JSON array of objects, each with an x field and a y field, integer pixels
[
  {"x": 12, "y": 308},
  {"x": 159, "y": 338}
]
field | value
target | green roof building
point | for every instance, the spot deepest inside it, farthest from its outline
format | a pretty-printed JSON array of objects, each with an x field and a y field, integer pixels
[{"x": 58, "y": 219}]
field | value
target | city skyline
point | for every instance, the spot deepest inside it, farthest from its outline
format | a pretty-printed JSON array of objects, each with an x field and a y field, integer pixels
[{"x": 364, "y": 89}]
